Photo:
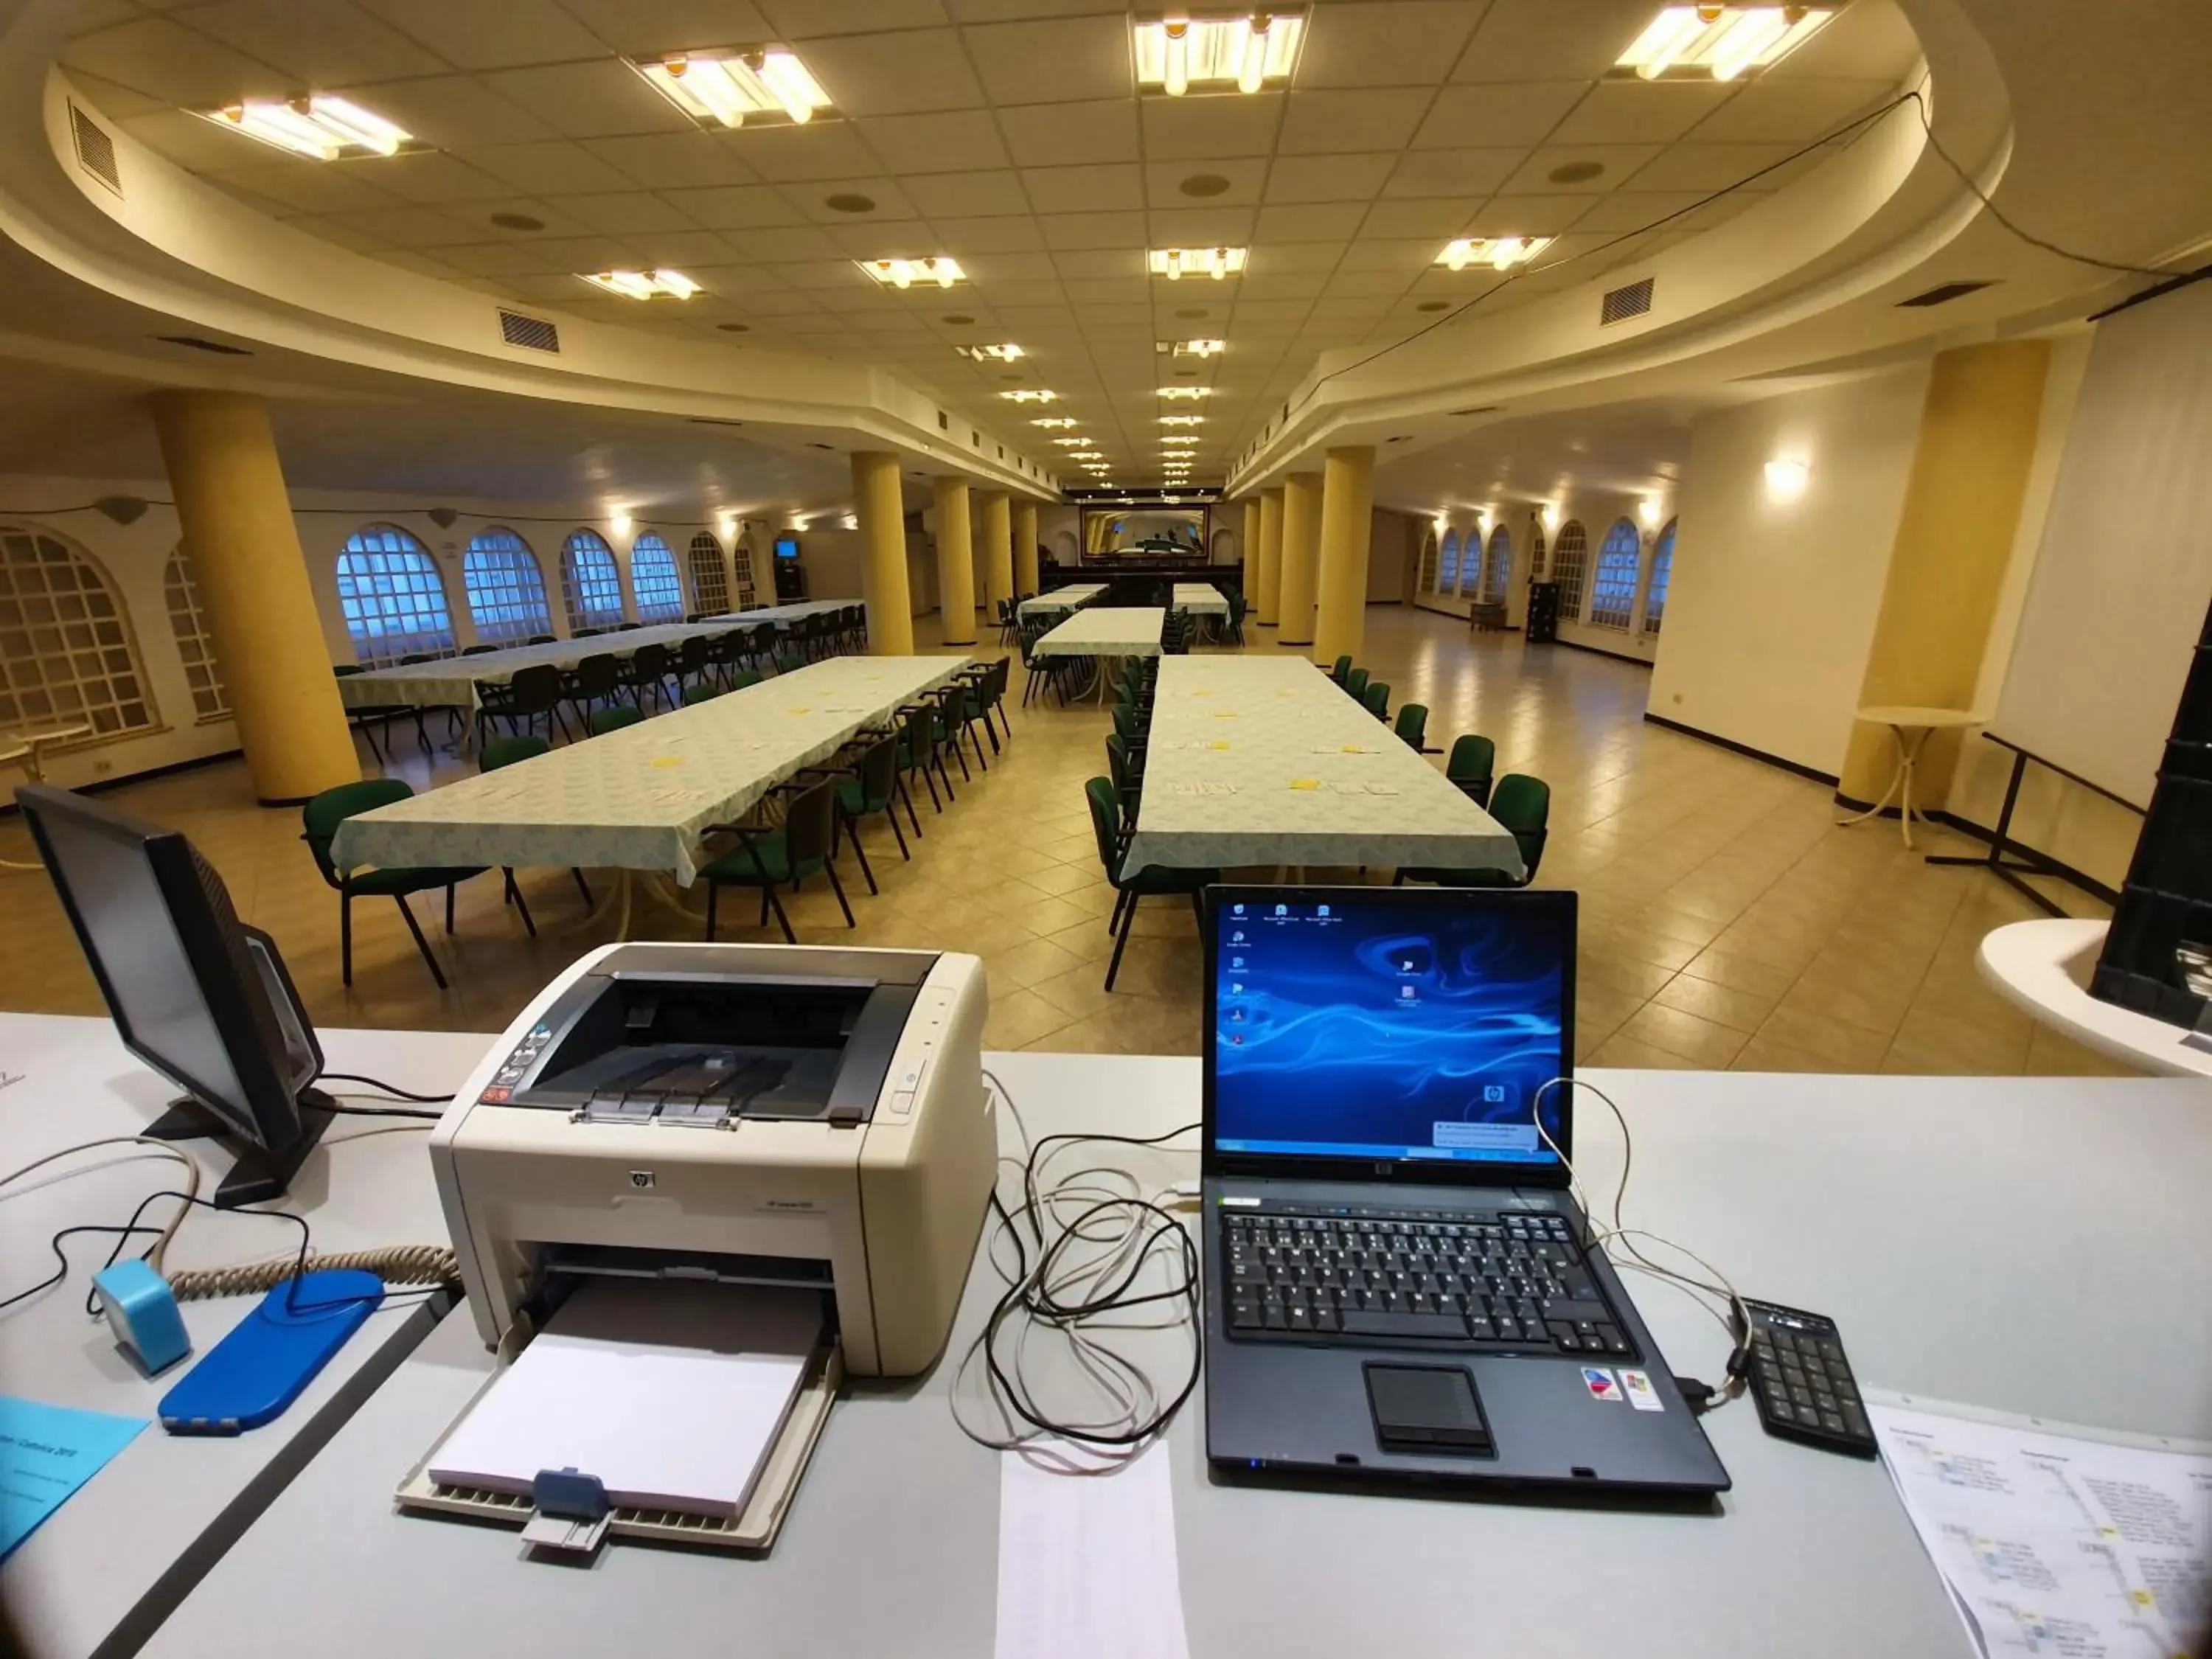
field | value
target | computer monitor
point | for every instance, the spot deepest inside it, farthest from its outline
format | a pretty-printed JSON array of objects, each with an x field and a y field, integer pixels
[
  {"x": 1355, "y": 1027},
  {"x": 786, "y": 547},
  {"x": 196, "y": 994}
]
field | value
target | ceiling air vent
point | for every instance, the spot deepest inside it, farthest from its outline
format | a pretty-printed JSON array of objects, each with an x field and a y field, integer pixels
[
  {"x": 1479, "y": 409},
  {"x": 712, "y": 420},
  {"x": 535, "y": 332},
  {"x": 198, "y": 344},
  {"x": 1624, "y": 302},
  {"x": 95, "y": 149},
  {"x": 1941, "y": 294}
]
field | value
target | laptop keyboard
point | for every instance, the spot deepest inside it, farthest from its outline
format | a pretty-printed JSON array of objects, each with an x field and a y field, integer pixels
[{"x": 1507, "y": 1279}]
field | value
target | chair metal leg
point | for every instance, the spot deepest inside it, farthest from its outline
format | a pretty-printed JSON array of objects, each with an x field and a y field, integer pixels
[
  {"x": 853, "y": 830},
  {"x": 829, "y": 865},
  {"x": 966, "y": 776},
  {"x": 449, "y": 906},
  {"x": 345, "y": 938},
  {"x": 421, "y": 944},
  {"x": 1122, "y": 939},
  {"x": 714, "y": 892},
  {"x": 521, "y": 909},
  {"x": 582, "y": 886},
  {"x": 763, "y": 922},
  {"x": 907, "y": 795},
  {"x": 790, "y": 938},
  {"x": 1121, "y": 899},
  {"x": 890, "y": 813}
]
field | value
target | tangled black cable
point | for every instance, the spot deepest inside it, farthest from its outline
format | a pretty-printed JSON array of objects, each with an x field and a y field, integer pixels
[{"x": 381, "y": 1087}]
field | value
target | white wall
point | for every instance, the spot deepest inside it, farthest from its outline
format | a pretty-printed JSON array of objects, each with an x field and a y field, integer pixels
[
  {"x": 1772, "y": 603},
  {"x": 831, "y": 560},
  {"x": 1597, "y": 511},
  {"x": 1393, "y": 551}
]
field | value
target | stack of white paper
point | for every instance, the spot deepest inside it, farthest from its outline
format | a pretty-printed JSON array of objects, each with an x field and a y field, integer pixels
[{"x": 670, "y": 1394}]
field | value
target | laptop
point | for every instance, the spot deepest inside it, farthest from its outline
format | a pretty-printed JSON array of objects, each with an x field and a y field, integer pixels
[{"x": 1396, "y": 1287}]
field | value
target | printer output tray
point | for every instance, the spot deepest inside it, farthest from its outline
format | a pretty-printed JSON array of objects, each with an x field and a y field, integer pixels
[{"x": 754, "y": 1530}]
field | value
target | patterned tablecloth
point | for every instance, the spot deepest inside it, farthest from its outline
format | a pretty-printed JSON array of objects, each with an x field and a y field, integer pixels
[
  {"x": 1073, "y": 597},
  {"x": 782, "y": 615},
  {"x": 1264, "y": 760},
  {"x": 451, "y": 682},
  {"x": 1200, "y": 599},
  {"x": 638, "y": 799},
  {"x": 1106, "y": 631}
]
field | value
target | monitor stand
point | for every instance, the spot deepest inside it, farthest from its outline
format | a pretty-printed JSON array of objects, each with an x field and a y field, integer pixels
[{"x": 259, "y": 1174}]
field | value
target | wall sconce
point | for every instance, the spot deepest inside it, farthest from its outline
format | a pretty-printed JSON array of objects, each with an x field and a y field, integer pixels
[
  {"x": 619, "y": 522},
  {"x": 1786, "y": 480},
  {"x": 1648, "y": 510},
  {"x": 1550, "y": 514}
]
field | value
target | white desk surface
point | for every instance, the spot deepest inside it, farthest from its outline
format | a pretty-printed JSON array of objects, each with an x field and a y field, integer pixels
[
  {"x": 2031, "y": 1244},
  {"x": 2044, "y": 967},
  {"x": 112, "y": 1561}
]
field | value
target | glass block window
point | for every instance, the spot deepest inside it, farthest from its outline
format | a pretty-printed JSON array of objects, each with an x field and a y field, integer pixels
[
  {"x": 653, "y": 578},
  {"x": 1612, "y": 590},
  {"x": 66, "y": 654},
  {"x": 506, "y": 589},
  {"x": 1570, "y": 566},
  {"x": 741, "y": 561},
  {"x": 393, "y": 597},
  {"x": 1662, "y": 569},
  {"x": 710, "y": 577},
  {"x": 590, "y": 586},
  {"x": 1470, "y": 565},
  {"x": 1448, "y": 571},
  {"x": 1498, "y": 569},
  {"x": 188, "y": 621},
  {"x": 1428, "y": 562}
]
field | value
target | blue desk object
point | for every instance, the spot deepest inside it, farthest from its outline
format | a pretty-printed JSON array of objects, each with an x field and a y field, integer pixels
[
  {"x": 141, "y": 1311},
  {"x": 47, "y": 1452},
  {"x": 250, "y": 1376}
]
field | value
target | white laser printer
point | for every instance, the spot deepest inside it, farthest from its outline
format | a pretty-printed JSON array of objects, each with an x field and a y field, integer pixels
[{"x": 734, "y": 1114}]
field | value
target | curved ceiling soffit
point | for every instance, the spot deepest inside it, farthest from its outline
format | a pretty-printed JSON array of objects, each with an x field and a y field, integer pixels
[{"x": 177, "y": 246}]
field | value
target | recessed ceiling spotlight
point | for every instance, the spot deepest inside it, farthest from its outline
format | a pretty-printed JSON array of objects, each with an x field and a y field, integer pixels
[
  {"x": 1204, "y": 184},
  {"x": 1030, "y": 394},
  {"x": 1176, "y": 262},
  {"x": 644, "y": 284},
  {"x": 904, "y": 273},
  {"x": 735, "y": 328},
  {"x": 314, "y": 125},
  {"x": 1498, "y": 252},
  {"x": 1006, "y": 352},
  {"x": 1192, "y": 314},
  {"x": 1434, "y": 305},
  {"x": 1176, "y": 53},
  {"x": 517, "y": 221},
  {"x": 957, "y": 320},
  {"x": 847, "y": 202},
  {"x": 1062, "y": 422},
  {"x": 1577, "y": 172},
  {"x": 732, "y": 87},
  {"x": 1720, "y": 40}
]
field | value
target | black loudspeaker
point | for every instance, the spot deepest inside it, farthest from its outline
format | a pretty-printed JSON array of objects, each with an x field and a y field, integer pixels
[
  {"x": 1543, "y": 625},
  {"x": 2161, "y": 935}
]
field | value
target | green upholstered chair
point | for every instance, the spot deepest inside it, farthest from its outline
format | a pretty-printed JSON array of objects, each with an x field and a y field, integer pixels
[
  {"x": 804, "y": 844},
  {"x": 1472, "y": 760},
  {"x": 1521, "y": 804},
  {"x": 1129, "y": 885},
  {"x": 320, "y": 820}
]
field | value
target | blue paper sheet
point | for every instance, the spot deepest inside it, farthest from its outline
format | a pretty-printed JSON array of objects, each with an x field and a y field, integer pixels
[{"x": 47, "y": 1452}]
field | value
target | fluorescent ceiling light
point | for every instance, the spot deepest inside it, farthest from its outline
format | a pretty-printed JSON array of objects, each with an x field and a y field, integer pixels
[
  {"x": 1498, "y": 252},
  {"x": 1186, "y": 392},
  {"x": 1006, "y": 353},
  {"x": 643, "y": 284},
  {"x": 1215, "y": 54},
  {"x": 1183, "y": 420},
  {"x": 1029, "y": 395},
  {"x": 1720, "y": 40},
  {"x": 1077, "y": 443},
  {"x": 731, "y": 87},
  {"x": 1176, "y": 262},
  {"x": 941, "y": 270},
  {"x": 317, "y": 125},
  {"x": 1193, "y": 348}
]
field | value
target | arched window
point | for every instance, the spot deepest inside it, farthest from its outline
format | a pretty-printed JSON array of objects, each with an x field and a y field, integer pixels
[
  {"x": 1498, "y": 568},
  {"x": 590, "y": 586},
  {"x": 1428, "y": 579},
  {"x": 741, "y": 562},
  {"x": 507, "y": 590},
  {"x": 1539, "y": 569},
  {"x": 1612, "y": 589},
  {"x": 1569, "y": 563},
  {"x": 66, "y": 654},
  {"x": 653, "y": 578},
  {"x": 181, "y": 589},
  {"x": 710, "y": 577},
  {"x": 1662, "y": 569},
  {"x": 1470, "y": 565},
  {"x": 1448, "y": 572},
  {"x": 393, "y": 597}
]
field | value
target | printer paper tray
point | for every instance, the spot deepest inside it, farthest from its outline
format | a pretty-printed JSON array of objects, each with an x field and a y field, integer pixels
[{"x": 754, "y": 1530}]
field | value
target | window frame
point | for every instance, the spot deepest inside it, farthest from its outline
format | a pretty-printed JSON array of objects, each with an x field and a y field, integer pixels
[
  {"x": 1497, "y": 565},
  {"x": 1661, "y": 579},
  {"x": 512, "y": 557},
  {"x": 579, "y": 586},
  {"x": 1615, "y": 577},
  {"x": 1573, "y": 542},
  {"x": 1448, "y": 558},
  {"x": 665, "y": 575},
  {"x": 710, "y": 597},
  {"x": 438, "y": 640},
  {"x": 181, "y": 596},
  {"x": 29, "y": 673}
]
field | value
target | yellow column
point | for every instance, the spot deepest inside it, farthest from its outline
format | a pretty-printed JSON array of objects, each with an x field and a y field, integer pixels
[
  {"x": 1347, "y": 509},
  {"x": 1271, "y": 556},
  {"x": 881, "y": 509},
  {"x": 237, "y": 520},
  {"x": 956, "y": 563},
  {"x": 1025, "y": 547},
  {"x": 998, "y": 552},
  {"x": 1301, "y": 572},
  {"x": 1947, "y": 569},
  {"x": 1250, "y": 572}
]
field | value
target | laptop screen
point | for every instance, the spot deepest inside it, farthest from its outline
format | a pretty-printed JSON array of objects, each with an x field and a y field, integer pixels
[{"x": 1389, "y": 1024}]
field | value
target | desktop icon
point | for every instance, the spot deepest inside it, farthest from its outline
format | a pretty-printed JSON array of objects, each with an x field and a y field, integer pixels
[
  {"x": 1323, "y": 911},
  {"x": 1405, "y": 993},
  {"x": 1238, "y": 909},
  {"x": 1282, "y": 909}
]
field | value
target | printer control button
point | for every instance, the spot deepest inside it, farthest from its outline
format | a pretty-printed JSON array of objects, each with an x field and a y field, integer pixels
[{"x": 902, "y": 1103}]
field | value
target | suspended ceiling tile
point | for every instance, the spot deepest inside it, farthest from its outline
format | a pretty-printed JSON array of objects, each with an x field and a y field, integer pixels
[
  {"x": 1618, "y": 163},
  {"x": 432, "y": 177},
  {"x": 507, "y": 35},
  {"x": 945, "y": 141},
  {"x": 1703, "y": 167},
  {"x": 1211, "y": 127},
  {"x": 553, "y": 168},
  {"x": 304, "y": 187},
  {"x": 1045, "y": 61},
  {"x": 658, "y": 28},
  {"x": 1522, "y": 39},
  {"x": 1528, "y": 216},
  {"x": 1634, "y": 209},
  {"x": 1792, "y": 112},
  {"x": 1040, "y": 296},
  {"x": 1195, "y": 227},
  {"x": 1437, "y": 219},
  {"x": 318, "y": 45},
  {"x": 1519, "y": 116},
  {"x": 1108, "y": 187},
  {"x": 1066, "y": 135},
  {"x": 790, "y": 154},
  {"x": 1084, "y": 292},
  {"x": 967, "y": 195},
  {"x": 902, "y": 73},
  {"x": 1284, "y": 284},
  {"x": 1333, "y": 221},
  {"x": 784, "y": 244},
  {"x": 197, "y": 145},
  {"x": 1118, "y": 231},
  {"x": 493, "y": 259},
  {"x": 972, "y": 240},
  {"x": 160, "y": 58},
  {"x": 991, "y": 270},
  {"x": 595, "y": 99},
  {"x": 1641, "y": 112},
  {"x": 675, "y": 161},
  {"x": 814, "y": 200},
  {"x": 1392, "y": 43},
  {"x": 404, "y": 226},
  {"x": 1868, "y": 40},
  {"x": 1387, "y": 283},
  {"x": 801, "y": 19},
  {"x": 450, "y": 112},
  {"x": 630, "y": 211},
  {"x": 1328, "y": 178},
  {"x": 1331, "y": 123},
  {"x": 735, "y": 207},
  {"x": 1410, "y": 256}
]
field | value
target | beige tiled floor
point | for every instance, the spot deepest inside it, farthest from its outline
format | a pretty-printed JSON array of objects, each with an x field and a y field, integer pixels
[{"x": 1726, "y": 920}]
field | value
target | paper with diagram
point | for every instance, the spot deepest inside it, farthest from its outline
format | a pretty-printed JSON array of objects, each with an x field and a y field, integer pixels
[{"x": 2053, "y": 1544}]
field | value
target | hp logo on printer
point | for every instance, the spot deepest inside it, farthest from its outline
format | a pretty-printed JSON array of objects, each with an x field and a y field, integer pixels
[{"x": 641, "y": 1179}]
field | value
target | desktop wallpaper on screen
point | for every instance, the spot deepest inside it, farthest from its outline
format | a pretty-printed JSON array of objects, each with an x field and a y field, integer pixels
[{"x": 1354, "y": 1030}]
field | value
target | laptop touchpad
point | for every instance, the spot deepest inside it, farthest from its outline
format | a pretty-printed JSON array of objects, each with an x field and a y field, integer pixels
[{"x": 1427, "y": 1408}]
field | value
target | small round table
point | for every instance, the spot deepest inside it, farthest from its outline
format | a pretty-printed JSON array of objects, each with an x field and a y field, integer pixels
[
  {"x": 23, "y": 749},
  {"x": 1911, "y": 728},
  {"x": 2043, "y": 968}
]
